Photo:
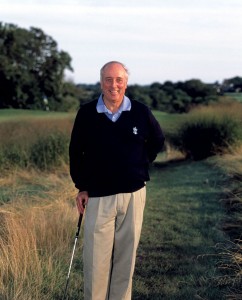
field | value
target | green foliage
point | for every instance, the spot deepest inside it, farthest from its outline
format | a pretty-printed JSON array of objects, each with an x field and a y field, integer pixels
[
  {"x": 31, "y": 68},
  {"x": 204, "y": 136},
  {"x": 168, "y": 97},
  {"x": 232, "y": 85},
  {"x": 49, "y": 151},
  {"x": 171, "y": 97},
  {"x": 12, "y": 156},
  {"x": 140, "y": 93}
]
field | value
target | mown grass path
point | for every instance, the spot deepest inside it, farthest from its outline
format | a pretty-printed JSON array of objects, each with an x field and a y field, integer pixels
[{"x": 177, "y": 257}]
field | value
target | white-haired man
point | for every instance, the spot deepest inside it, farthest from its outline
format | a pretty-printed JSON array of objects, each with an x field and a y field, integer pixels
[{"x": 113, "y": 141}]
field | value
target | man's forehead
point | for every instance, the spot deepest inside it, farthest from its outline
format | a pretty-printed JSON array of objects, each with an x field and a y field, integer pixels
[{"x": 110, "y": 76}]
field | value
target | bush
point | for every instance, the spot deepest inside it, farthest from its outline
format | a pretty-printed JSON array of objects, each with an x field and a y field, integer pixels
[
  {"x": 49, "y": 151},
  {"x": 204, "y": 136}
]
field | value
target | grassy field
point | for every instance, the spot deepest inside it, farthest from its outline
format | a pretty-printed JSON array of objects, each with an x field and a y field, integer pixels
[
  {"x": 237, "y": 96},
  {"x": 7, "y": 115},
  {"x": 178, "y": 253},
  {"x": 187, "y": 248},
  {"x": 169, "y": 122}
]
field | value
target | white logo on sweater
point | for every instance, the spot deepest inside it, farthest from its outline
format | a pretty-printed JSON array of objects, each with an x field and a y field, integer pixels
[{"x": 135, "y": 130}]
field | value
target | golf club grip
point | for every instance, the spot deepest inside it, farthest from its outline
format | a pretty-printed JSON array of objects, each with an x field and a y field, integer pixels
[
  {"x": 79, "y": 225},
  {"x": 80, "y": 220}
]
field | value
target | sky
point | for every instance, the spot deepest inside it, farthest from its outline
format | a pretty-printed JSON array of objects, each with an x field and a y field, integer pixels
[{"x": 158, "y": 40}]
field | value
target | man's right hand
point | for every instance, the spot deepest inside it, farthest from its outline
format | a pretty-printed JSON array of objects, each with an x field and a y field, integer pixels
[{"x": 81, "y": 201}]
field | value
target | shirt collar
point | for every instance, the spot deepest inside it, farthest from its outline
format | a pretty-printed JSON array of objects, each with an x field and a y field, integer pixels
[{"x": 101, "y": 107}]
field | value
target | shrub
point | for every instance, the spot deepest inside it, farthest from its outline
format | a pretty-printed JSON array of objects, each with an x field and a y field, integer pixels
[
  {"x": 49, "y": 151},
  {"x": 204, "y": 136}
]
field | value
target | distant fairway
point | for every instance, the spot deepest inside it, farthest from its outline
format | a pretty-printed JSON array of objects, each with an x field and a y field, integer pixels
[
  {"x": 237, "y": 96},
  {"x": 25, "y": 114}
]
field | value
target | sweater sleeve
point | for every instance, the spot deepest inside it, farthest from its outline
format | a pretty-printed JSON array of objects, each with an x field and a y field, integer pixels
[
  {"x": 77, "y": 152},
  {"x": 156, "y": 137}
]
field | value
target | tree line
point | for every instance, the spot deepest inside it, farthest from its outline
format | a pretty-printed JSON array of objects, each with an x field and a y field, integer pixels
[{"x": 32, "y": 77}]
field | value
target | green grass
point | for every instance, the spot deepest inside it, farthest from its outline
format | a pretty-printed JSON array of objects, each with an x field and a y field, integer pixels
[
  {"x": 181, "y": 228},
  {"x": 169, "y": 122},
  {"x": 25, "y": 114},
  {"x": 237, "y": 96}
]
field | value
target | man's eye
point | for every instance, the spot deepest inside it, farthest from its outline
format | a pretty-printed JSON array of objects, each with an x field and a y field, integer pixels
[{"x": 119, "y": 80}]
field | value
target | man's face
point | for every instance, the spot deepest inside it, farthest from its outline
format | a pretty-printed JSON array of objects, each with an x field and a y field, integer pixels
[{"x": 114, "y": 83}]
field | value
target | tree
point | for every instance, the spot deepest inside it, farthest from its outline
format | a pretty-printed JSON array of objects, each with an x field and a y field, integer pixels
[
  {"x": 158, "y": 96},
  {"x": 180, "y": 102},
  {"x": 199, "y": 92},
  {"x": 140, "y": 93},
  {"x": 232, "y": 85},
  {"x": 196, "y": 88},
  {"x": 31, "y": 68}
]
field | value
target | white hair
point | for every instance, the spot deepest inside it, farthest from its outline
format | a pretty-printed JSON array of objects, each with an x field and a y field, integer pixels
[{"x": 114, "y": 62}]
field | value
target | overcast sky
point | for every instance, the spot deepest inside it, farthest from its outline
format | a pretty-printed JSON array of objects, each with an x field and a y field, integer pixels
[{"x": 158, "y": 40}]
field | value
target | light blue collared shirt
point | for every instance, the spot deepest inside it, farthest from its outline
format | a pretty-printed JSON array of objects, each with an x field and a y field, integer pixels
[{"x": 101, "y": 108}]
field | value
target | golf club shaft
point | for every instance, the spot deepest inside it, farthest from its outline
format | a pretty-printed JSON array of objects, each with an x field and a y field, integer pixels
[{"x": 72, "y": 256}]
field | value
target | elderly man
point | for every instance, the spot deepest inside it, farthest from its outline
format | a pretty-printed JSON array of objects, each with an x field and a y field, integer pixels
[{"x": 113, "y": 141}]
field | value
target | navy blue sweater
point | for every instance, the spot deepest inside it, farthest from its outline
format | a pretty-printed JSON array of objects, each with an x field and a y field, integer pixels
[{"x": 108, "y": 157}]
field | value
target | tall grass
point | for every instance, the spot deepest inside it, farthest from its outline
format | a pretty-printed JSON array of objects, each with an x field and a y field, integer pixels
[
  {"x": 231, "y": 253},
  {"x": 35, "y": 235},
  {"x": 208, "y": 131},
  {"x": 41, "y": 143},
  {"x": 39, "y": 222}
]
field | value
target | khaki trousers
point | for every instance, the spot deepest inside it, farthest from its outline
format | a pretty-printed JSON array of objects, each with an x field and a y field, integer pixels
[{"x": 111, "y": 236}]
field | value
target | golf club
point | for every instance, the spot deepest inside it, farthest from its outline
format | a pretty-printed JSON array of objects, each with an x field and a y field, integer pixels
[{"x": 73, "y": 251}]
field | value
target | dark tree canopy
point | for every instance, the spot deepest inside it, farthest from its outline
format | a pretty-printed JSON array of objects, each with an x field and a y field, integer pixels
[
  {"x": 31, "y": 68},
  {"x": 172, "y": 97},
  {"x": 232, "y": 85}
]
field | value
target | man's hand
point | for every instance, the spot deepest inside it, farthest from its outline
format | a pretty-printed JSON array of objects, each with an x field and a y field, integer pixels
[{"x": 81, "y": 201}]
